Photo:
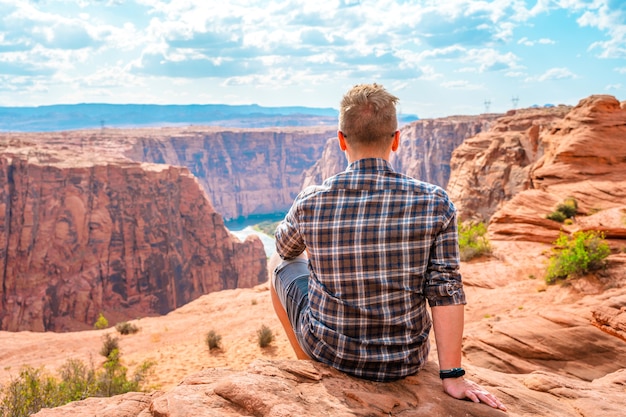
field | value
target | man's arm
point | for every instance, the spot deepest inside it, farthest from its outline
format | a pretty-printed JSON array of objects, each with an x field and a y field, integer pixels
[
  {"x": 289, "y": 242},
  {"x": 448, "y": 327}
]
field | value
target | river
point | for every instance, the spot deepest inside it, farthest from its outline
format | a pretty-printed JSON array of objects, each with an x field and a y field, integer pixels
[{"x": 242, "y": 228}]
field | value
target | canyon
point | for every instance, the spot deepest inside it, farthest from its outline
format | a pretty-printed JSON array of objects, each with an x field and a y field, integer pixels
[
  {"x": 130, "y": 222},
  {"x": 545, "y": 350},
  {"x": 85, "y": 233}
]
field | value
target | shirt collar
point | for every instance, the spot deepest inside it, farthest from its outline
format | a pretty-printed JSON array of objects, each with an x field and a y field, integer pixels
[{"x": 370, "y": 164}]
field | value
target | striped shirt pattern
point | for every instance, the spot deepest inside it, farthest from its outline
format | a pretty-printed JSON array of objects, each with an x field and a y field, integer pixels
[{"x": 380, "y": 245}]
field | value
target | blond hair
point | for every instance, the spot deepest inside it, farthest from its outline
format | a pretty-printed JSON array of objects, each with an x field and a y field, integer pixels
[{"x": 367, "y": 115}]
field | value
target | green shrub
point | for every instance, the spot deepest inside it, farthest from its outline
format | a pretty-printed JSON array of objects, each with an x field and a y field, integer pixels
[
  {"x": 576, "y": 255},
  {"x": 109, "y": 344},
  {"x": 113, "y": 380},
  {"x": 34, "y": 389},
  {"x": 569, "y": 207},
  {"x": 213, "y": 340},
  {"x": 29, "y": 393},
  {"x": 77, "y": 380},
  {"x": 125, "y": 328},
  {"x": 473, "y": 241},
  {"x": 265, "y": 336},
  {"x": 557, "y": 216},
  {"x": 565, "y": 210},
  {"x": 101, "y": 323}
]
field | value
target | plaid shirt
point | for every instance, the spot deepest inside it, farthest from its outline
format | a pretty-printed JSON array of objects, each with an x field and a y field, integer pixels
[{"x": 380, "y": 244}]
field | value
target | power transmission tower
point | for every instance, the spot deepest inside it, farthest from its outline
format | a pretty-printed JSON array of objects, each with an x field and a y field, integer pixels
[
  {"x": 487, "y": 104},
  {"x": 515, "y": 100}
]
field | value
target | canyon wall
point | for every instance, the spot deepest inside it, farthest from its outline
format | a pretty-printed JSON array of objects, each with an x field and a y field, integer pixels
[
  {"x": 79, "y": 238},
  {"x": 584, "y": 157},
  {"x": 492, "y": 166},
  {"x": 425, "y": 149},
  {"x": 244, "y": 171},
  {"x": 517, "y": 172}
]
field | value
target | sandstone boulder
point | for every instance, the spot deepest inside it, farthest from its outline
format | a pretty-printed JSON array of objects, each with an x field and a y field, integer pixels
[{"x": 305, "y": 388}]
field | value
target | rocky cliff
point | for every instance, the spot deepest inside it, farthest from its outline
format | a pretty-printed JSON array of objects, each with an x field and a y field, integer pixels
[
  {"x": 583, "y": 156},
  {"x": 425, "y": 149},
  {"x": 530, "y": 160},
  {"x": 494, "y": 165},
  {"x": 84, "y": 233},
  {"x": 244, "y": 171}
]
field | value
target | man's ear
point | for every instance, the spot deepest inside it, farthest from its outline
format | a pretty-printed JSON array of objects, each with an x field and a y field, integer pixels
[
  {"x": 342, "y": 140},
  {"x": 396, "y": 141}
]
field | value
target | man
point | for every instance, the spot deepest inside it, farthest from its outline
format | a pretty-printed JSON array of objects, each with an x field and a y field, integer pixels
[{"x": 364, "y": 252}]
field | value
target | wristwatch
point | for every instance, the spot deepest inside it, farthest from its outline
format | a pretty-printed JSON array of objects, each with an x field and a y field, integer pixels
[{"x": 451, "y": 373}]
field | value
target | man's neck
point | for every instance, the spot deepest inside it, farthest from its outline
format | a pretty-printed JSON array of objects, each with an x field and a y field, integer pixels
[
  {"x": 356, "y": 156},
  {"x": 362, "y": 152}
]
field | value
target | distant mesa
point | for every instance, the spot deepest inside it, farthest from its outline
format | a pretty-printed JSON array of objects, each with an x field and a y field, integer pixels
[{"x": 100, "y": 116}]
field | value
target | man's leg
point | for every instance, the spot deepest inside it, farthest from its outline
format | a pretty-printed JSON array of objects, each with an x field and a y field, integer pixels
[{"x": 281, "y": 311}]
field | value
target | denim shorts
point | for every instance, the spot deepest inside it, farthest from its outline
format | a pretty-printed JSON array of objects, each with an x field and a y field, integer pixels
[{"x": 291, "y": 282}]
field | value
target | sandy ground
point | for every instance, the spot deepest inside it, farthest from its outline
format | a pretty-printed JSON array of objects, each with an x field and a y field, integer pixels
[
  {"x": 175, "y": 342},
  {"x": 506, "y": 285}
]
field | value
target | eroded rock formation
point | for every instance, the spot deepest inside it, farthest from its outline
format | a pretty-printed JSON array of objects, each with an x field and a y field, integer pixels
[
  {"x": 493, "y": 166},
  {"x": 583, "y": 157},
  {"x": 305, "y": 388},
  {"x": 115, "y": 237},
  {"x": 425, "y": 149},
  {"x": 244, "y": 171}
]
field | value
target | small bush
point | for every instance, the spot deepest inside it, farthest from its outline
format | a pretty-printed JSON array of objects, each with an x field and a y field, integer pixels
[
  {"x": 77, "y": 380},
  {"x": 109, "y": 344},
  {"x": 565, "y": 210},
  {"x": 473, "y": 241},
  {"x": 213, "y": 340},
  {"x": 101, "y": 323},
  {"x": 569, "y": 207},
  {"x": 125, "y": 328},
  {"x": 34, "y": 389},
  {"x": 29, "y": 393},
  {"x": 576, "y": 255},
  {"x": 557, "y": 216},
  {"x": 265, "y": 336}
]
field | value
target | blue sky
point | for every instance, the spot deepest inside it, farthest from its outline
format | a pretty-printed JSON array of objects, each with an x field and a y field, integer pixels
[{"x": 441, "y": 57}]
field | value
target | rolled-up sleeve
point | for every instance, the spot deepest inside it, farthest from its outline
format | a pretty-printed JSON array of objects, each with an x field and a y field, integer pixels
[
  {"x": 289, "y": 240},
  {"x": 444, "y": 285}
]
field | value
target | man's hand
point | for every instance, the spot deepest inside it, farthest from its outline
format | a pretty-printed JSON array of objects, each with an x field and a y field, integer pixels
[{"x": 461, "y": 388}]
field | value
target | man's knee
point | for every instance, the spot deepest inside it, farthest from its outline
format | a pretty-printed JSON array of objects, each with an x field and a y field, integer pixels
[{"x": 272, "y": 264}]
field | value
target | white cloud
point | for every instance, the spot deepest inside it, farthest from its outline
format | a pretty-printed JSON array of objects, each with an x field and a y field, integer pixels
[
  {"x": 543, "y": 41},
  {"x": 555, "y": 74},
  {"x": 611, "y": 21},
  {"x": 237, "y": 48},
  {"x": 491, "y": 60}
]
